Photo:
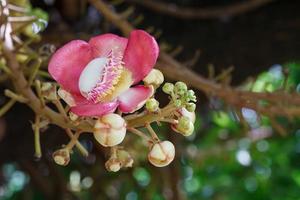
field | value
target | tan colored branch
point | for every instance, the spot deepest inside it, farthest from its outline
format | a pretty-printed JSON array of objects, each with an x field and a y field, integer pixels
[{"x": 201, "y": 13}]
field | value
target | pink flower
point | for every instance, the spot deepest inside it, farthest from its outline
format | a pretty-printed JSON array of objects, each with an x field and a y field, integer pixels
[{"x": 96, "y": 76}]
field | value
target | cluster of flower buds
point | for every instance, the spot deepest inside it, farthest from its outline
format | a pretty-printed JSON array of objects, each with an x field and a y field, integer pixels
[
  {"x": 119, "y": 159},
  {"x": 181, "y": 96},
  {"x": 110, "y": 129},
  {"x": 185, "y": 100}
]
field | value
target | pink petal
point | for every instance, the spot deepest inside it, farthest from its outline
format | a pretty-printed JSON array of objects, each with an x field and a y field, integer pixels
[
  {"x": 93, "y": 110},
  {"x": 141, "y": 54},
  {"x": 103, "y": 44},
  {"x": 68, "y": 62},
  {"x": 134, "y": 98}
]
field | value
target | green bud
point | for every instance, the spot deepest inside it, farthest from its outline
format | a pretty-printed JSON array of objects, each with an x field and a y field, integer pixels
[
  {"x": 185, "y": 126},
  {"x": 177, "y": 103},
  {"x": 180, "y": 87},
  {"x": 152, "y": 105},
  {"x": 191, "y": 107},
  {"x": 168, "y": 88},
  {"x": 191, "y": 93}
]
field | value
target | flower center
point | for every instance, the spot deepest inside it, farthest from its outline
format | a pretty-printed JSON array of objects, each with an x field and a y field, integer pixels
[{"x": 99, "y": 77}]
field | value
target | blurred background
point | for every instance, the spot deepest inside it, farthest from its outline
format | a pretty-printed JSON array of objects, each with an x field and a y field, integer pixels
[{"x": 222, "y": 160}]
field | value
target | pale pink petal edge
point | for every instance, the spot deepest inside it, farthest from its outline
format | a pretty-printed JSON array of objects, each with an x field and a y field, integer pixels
[{"x": 134, "y": 98}]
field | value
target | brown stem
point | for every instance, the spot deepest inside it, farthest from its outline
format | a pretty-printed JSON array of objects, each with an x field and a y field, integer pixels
[{"x": 201, "y": 13}]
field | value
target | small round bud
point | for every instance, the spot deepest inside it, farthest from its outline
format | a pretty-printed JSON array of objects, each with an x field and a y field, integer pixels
[
  {"x": 185, "y": 126},
  {"x": 21, "y": 57},
  {"x": 152, "y": 105},
  {"x": 177, "y": 103},
  {"x": 180, "y": 87},
  {"x": 161, "y": 154},
  {"x": 125, "y": 158},
  {"x": 61, "y": 157},
  {"x": 46, "y": 86},
  {"x": 49, "y": 91},
  {"x": 155, "y": 77},
  {"x": 168, "y": 88},
  {"x": 191, "y": 107},
  {"x": 186, "y": 113},
  {"x": 191, "y": 95},
  {"x": 73, "y": 117},
  {"x": 120, "y": 158},
  {"x": 110, "y": 130},
  {"x": 113, "y": 165}
]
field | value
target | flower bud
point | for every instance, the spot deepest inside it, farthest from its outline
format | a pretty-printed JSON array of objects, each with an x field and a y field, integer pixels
[
  {"x": 119, "y": 159},
  {"x": 113, "y": 165},
  {"x": 191, "y": 95},
  {"x": 180, "y": 87},
  {"x": 186, "y": 113},
  {"x": 73, "y": 117},
  {"x": 177, "y": 103},
  {"x": 152, "y": 105},
  {"x": 49, "y": 91},
  {"x": 61, "y": 157},
  {"x": 155, "y": 77},
  {"x": 161, "y": 154},
  {"x": 185, "y": 126},
  {"x": 191, "y": 107},
  {"x": 110, "y": 130},
  {"x": 125, "y": 158},
  {"x": 168, "y": 88},
  {"x": 66, "y": 96}
]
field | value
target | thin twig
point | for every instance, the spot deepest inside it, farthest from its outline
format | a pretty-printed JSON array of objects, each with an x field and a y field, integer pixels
[
  {"x": 79, "y": 146},
  {"x": 37, "y": 143},
  {"x": 15, "y": 96},
  {"x": 152, "y": 132},
  {"x": 139, "y": 133},
  {"x": 201, "y": 13},
  {"x": 7, "y": 106}
]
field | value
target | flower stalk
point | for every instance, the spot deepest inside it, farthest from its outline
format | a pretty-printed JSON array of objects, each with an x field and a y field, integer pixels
[{"x": 37, "y": 142}]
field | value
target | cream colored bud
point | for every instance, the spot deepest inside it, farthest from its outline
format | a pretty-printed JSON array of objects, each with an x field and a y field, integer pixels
[
  {"x": 125, "y": 158},
  {"x": 110, "y": 130},
  {"x": 185, "y": 123},
  {"x": 46, "y": 86},
  {"x": 113, "y": 165},
  {"x": 66, "y": 96},
  {"x": 49, "y": 91},
  {"x": 161, "y": 154},
  {"x": 155, "y": 77},
  {"x": 61, "y": 157},
  {"x": 73, "y": 116},
  {"x": 191, "y": 115}
]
